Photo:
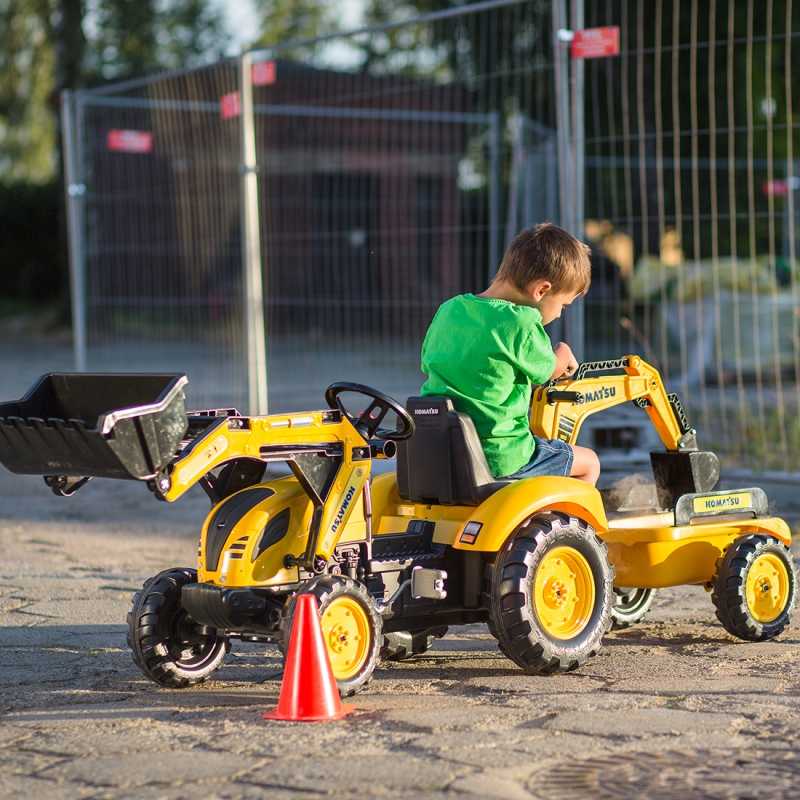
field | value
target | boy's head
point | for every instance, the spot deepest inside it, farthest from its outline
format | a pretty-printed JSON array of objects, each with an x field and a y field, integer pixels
[{"x": 549, "y": 266}]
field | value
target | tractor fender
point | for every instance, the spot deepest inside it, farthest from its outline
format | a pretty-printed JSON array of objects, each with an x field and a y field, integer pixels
[{"x": 501, "y": 513}]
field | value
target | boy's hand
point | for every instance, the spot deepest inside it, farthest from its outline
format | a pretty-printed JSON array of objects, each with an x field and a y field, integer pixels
[{"x": 566, "y": 363}]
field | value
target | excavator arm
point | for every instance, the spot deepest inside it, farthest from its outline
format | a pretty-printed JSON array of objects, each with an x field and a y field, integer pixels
[{"x": 559, "y": 408}]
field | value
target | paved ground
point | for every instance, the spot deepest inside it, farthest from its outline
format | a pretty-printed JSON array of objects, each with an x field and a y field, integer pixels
[{"x": 672, "y": 708}]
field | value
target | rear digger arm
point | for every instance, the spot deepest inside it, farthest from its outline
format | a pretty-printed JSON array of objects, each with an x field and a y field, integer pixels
[{"x": 558, "y": 409}]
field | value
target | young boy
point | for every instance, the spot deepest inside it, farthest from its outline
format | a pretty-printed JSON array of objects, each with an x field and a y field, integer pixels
[{"x": 485, "y": 352}]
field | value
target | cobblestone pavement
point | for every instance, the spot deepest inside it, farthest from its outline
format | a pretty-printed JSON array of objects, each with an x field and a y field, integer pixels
[{"x": 671, "y": 708}]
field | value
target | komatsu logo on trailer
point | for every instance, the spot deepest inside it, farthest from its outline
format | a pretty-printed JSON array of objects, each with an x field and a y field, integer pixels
[
  {"x": 603, "y": 393},
  {"x": 736, "y": 502},
  {"x": 345, "y": 504}
]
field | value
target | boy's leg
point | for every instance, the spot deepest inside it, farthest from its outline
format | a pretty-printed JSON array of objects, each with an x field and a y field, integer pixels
[{"x": 585, "y": 464}]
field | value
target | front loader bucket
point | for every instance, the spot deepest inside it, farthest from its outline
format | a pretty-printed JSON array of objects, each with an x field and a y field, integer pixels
[{"x": 95, "y": 425}]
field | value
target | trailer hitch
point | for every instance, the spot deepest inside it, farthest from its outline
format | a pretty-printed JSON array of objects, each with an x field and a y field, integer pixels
[{"x": 65, "y": 485}]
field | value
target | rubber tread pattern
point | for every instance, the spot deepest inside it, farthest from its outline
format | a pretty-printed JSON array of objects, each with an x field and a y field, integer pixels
[
  {"x": 728, "y": 593},
  {"x": 160, "y": 595},
  {"x": 511, "y": 617},
  {"x": 624, "y": 615}
]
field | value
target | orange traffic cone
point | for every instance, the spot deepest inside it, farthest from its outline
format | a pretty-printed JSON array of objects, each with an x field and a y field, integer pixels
[{"x": 308, "y": 689}]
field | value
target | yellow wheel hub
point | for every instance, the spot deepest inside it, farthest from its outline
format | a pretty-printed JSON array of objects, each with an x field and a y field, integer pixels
[
  {"x": 767, "y": 587},
  {"x": 346, "y": 631},
  {"x": 563, "y": 593}
]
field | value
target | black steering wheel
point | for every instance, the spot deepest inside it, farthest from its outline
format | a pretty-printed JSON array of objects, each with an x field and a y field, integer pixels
[{"x": 369, "y": 421}]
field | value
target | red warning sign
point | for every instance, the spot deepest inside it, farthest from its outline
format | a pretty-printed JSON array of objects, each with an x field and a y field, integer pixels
[
  {"x": 264, "y": 73},
  {"x": 230, "y": 105},
  {"x": 129, "y": 141},
  {"x": 596, "y": 43}
]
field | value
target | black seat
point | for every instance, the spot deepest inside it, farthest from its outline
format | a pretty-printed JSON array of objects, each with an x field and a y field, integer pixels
[{"x": 443, "y": 462}]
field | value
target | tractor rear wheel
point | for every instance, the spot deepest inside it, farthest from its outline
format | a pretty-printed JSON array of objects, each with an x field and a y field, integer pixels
[
  {"x": 551, "y": 594},
  {"x": 630, "y": 606},
  {"x": 755, "y": 588},
  {"x": 351, "y": 628},
  {"x": 167, "y": 645}
]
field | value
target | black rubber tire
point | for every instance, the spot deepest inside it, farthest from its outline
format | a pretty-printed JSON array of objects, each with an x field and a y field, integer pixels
[
  {"x": 728, "y": 594},
  {"x": 630, "y": 606},
  {"x": 401, "y": 645},
  {"x": 162, "y": 638},
  {"x": 513, "y": 616},
  {"x": 326, "y": 588}
]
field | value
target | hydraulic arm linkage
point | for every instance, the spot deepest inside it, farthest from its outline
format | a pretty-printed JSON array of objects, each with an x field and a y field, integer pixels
[
  {"x": 559, "y": 408},
  {"x": 329, "y": 458}
]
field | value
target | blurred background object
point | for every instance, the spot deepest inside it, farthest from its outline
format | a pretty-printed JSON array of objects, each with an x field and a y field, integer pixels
[{"x": 362, "y": 163}]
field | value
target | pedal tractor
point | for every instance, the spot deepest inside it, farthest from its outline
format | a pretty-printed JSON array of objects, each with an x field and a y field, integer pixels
[{"x": 394, "y": 559}]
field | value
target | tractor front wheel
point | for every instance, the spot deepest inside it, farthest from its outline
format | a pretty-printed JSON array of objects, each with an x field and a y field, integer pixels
[
  {"x": 167, "y": 645},
  {"x": 351, "y": 628},
  {"x": 551, "y": 594},
  {"x": 755, "y": 588}
]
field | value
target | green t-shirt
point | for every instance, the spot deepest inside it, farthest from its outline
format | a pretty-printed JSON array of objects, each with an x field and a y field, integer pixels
[{"x": 485, "y": 354}]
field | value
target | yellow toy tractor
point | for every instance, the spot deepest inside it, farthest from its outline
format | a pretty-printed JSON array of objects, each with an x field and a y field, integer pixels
[{"x": 394, "y": 559}]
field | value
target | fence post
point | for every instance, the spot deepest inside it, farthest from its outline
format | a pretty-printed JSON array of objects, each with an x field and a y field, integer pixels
[
  {"x": 74, "y": 193},
  {"x": 575, "y": 319},
  {"x": 255, "y": 331},
  {"x": 495, "y": 181},
  {"x": 569, "y": 121}
]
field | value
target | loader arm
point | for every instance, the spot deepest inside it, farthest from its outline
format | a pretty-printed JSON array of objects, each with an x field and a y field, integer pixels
[
  {"x": 327, "y": 455},
  {"x": 559, "y": 408}
]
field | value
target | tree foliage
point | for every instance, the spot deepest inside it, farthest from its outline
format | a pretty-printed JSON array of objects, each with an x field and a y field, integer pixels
[{"x": 50, "y": 45}]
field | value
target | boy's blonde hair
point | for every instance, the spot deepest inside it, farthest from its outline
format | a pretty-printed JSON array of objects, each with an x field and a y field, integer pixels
[{"x": 547, "y": 252}]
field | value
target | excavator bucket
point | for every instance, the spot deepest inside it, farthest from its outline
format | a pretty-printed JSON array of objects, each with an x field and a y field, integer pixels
[{"x": 95, "y": 425}]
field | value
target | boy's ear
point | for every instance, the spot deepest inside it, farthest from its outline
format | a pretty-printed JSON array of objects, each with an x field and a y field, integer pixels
[{"x": 539, "y": 288}]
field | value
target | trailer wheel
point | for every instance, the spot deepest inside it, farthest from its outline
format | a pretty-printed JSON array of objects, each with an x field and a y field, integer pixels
[
  {"x": 551, "y": 594},
  {"x": 351, "y": 628},
  {"x": 166, "y": 644},
  {"x": 630, "y": 606},
  {"x": 755, "y": 588},
  {"x": 400, "y": 645}
]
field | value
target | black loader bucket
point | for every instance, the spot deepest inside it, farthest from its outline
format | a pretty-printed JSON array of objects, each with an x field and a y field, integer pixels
[{"x": 103, "y": 426}]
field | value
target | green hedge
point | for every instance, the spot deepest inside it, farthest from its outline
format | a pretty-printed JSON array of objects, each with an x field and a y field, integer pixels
[{"x": 33, "y": 258}]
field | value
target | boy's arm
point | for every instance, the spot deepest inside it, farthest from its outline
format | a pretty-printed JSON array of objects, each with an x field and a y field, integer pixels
[{"x": 566, "y": 363}]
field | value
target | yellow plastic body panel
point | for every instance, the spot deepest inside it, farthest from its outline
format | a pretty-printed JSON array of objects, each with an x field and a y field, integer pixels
[
  {"x": 391, "y": 514},
  {"x": 655, "y": 556},
  {"x": 499, "y": 515},
  {"x": 268, "y": 569}
]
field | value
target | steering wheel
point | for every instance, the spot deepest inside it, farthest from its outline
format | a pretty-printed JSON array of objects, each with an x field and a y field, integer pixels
[{"x": 368, "y": 423}]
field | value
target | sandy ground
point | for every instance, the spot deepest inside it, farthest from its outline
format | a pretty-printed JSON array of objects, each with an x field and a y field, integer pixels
[{"x": 673, "y": 707}]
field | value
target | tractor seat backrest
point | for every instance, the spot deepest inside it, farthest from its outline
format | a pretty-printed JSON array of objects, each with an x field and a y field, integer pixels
[{"x": 443, "y": 462}]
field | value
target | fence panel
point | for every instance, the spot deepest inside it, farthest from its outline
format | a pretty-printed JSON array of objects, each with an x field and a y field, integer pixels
[
  {"x": 161, "y": 164},
  {"x": 395, "y": 163},
  {"x": 691, "y": 194}
]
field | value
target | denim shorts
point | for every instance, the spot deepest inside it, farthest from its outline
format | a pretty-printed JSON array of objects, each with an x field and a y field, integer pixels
[{"x": 550, "y": 457}]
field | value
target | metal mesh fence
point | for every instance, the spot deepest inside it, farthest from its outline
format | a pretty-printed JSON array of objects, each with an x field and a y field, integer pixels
[
  {"x": 691, "y": 192},
  {"x": 384, "y": 184},
  {"x": 163, "y": 230},
  {"x": 394, "y": 164}
]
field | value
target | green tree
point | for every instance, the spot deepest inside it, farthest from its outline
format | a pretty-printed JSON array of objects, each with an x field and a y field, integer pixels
[
  {"x": 27, "y": 59},
  {"x": 282, "y": 21},
  {"x": 134, "y": 38}
]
